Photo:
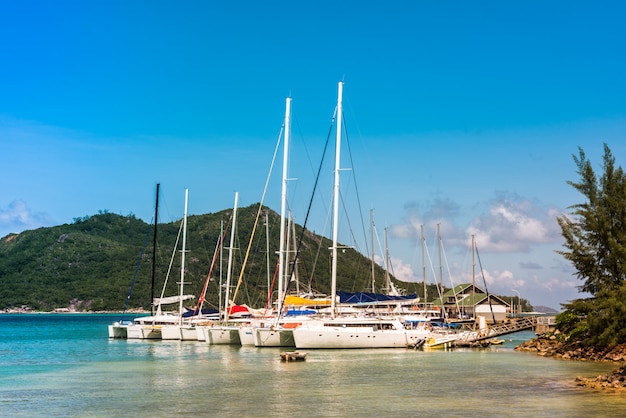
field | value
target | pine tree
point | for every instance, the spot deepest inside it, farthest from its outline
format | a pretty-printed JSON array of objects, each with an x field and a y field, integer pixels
[
  {"x": 596, "y": 236},
  {"x": 595, "y": 239}
]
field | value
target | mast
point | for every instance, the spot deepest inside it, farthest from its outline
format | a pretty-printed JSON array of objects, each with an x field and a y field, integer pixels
[
  {"x": 219, "y": 292},
  {"x": 154, "y": 243},
  {"x": 440, "y": 286},
  {"x": 182, "y": 259},
  {"x": 473, "y": 277},
  {"x": 333, "y": 286},
  {"x": 439, "y": 255},
  {"x": 230, "y": 258},
  {"x": 283, "y": 207},
  {"x": 267, "y": 252},
  {"x": 373, "y": 262},
  {"x": 424, "y": 266},
  {"x": 293, "y": 254},
  {"x": 387, "y": 265}
]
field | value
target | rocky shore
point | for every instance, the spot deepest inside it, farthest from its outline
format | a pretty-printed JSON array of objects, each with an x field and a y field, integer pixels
[{"x": 550, "y": 346}]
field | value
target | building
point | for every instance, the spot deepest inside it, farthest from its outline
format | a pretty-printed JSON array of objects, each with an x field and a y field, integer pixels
[{"x": 467, "y": 301}]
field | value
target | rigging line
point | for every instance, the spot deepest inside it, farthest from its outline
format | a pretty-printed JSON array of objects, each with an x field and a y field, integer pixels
[
  {"x": 358, "y": 197},
  {"x": 350, "y": 229},
  {"x": 202, "y": 296},
  {"x": 432, "y": 269},
  {"x": 169, "y": 269},
  {"x": 393, "y": 273},
  {"x": 270, "y": 291},
  {"x": 154, "y": 248},
  {"x": 445, "y": 258},
  {"x": 308, "y": 212},
  {"x": 482, "y": 273},
  {"x": 132, "y": 283},
  {"x": 218, "y": 247},
  {"x": 321, "y": 243},
  {"x": 258, "y": 215}
]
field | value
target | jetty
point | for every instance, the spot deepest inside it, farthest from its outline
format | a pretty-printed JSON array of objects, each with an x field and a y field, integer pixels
[{"x": 482, "y": 335}]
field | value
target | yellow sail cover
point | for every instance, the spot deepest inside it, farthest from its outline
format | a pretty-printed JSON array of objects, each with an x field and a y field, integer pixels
[{"x": 298, "y": 301}]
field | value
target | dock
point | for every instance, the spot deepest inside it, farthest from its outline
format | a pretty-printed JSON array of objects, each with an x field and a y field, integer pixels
[{"x": 475, "y": 338}]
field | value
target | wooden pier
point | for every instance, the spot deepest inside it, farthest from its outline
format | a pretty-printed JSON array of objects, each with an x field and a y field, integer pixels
[{"x": 472, "y": 338}]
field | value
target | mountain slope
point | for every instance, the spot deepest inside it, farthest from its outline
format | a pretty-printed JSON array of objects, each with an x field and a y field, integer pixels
[{"x": 90, "y": 264}]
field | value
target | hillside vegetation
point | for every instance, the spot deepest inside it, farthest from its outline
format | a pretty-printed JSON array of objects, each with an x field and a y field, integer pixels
[{"x": 89, "y": 265}]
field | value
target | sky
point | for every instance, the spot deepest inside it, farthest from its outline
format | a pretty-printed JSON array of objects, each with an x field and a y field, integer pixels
[{"x": 459, "y": 114}]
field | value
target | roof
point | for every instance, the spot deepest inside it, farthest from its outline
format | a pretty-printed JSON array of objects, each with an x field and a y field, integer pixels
[{"x": 467, "y": 295}]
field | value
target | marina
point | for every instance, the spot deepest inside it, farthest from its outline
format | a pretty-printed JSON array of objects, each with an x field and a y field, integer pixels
[{"x": 65, "y": 365}]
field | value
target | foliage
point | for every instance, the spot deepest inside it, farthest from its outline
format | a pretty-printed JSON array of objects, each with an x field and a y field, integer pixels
[
  {"x": 607, "y": 320},
  {"x": 91, "y": 263},
  {"x": 572, "y": 322},
  {"x": 595, "y": 239}
]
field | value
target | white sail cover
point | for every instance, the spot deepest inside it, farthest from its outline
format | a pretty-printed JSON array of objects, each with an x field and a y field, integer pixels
[{"x": 172, "y": 299}]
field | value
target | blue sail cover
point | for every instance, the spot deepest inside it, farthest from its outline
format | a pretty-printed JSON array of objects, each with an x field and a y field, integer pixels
[
  {"x": 299, "y": 312},
  {"x": 367, "y": 297},
  {"x": 205, "y": 311}
]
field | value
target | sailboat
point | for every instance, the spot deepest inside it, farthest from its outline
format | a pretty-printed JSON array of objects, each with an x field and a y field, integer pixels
[
  {"x": 347, "y": 331},
  {"x": 247, "y": 329},
  {"x": 210, "y": 315},
  {"x": 226, "y": 333},
  {"x": 179, "y": 330},
  {"x": 150, "y": 327},
  {"x": 278, "y": 333},
  {"x": 119, "y": 329}
]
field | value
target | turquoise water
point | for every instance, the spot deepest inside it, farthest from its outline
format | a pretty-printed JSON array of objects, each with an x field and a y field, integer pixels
[{"x": 64, "y": 365}]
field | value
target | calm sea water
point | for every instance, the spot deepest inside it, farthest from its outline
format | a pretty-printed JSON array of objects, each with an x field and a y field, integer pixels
[{"x": 65, "y": 365}]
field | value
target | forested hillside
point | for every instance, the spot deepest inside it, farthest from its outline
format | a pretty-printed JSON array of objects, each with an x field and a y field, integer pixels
[{"x": 89, "y": 265}]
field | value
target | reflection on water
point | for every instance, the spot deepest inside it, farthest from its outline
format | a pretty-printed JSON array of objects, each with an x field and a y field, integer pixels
[{"x": 85, "y": 374}]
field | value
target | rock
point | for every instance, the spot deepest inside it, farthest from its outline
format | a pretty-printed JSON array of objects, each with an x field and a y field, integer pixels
[{"x": 550, "y": 347}]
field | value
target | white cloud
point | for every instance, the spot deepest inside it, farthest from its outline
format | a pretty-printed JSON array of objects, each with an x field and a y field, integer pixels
[
  {"x": 519, "y": 234},
  {"x": 509, "y": 223},
  {"x": 440, "y": 212},
  {"x": 17, "y": 217},
  {"x": 402, "y": 271},
  {"x": 514, "y": 224},
  {"x": 504, "y": 280}
]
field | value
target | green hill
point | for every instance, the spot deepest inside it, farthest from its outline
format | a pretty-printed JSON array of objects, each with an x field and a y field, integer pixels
[{"x": 89, "y": 265}]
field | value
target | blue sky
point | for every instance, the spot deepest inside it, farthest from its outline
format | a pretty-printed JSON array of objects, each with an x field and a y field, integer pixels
[{"x": 462, "y": 114}]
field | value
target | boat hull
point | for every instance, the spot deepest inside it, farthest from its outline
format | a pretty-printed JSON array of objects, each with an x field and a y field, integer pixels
[
  {"x": 118, "y": 330},
  {"x": 273, "y": 337},
  {"x": 222, "y": 335},
  {"x": 340, "y": 337},
  {"x": 246, "y": 336},
  {"x": 177, "y": 332},
  {"x": 143, "y": 332}
]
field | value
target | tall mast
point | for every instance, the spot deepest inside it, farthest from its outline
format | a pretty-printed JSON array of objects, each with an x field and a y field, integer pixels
[
  {"x": 267, "y": 247},
  {"x": 424, "y": 266},
  {"x": 439, "y": 254},
  {"x": 333, "y": 286},
  {"x": 154, "y": 244},
  {"x": 387, "y": 265},
  {"x": 473, "y": 276},
  {"x": 293, "y": 253},
  {"x": 373, "y": 261},
  {"x": 283, "y": 206},
  {"x": 230, "y": 257},
  {"x": 182, "y": 259},
  {"x": 219, "y": 292}
]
